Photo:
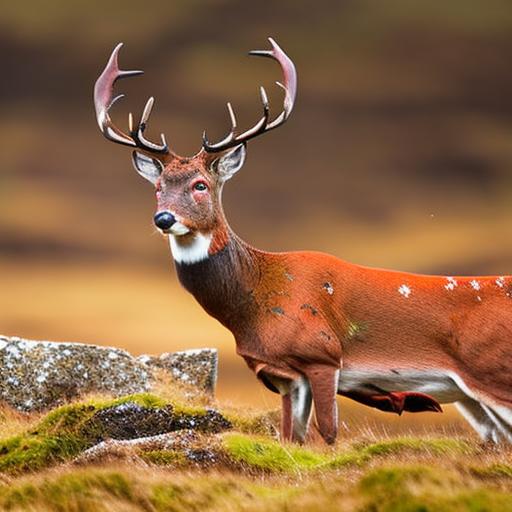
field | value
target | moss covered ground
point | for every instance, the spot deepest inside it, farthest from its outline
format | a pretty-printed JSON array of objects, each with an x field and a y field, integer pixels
[{"x": 241, "y": 466}]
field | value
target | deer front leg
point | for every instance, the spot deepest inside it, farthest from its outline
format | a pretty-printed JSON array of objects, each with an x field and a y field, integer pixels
[
  {"x": 296, "y": 410},
  {"x": 286, "y": 416},
  {"x": 296, "y": 402},
  {"x": 301, "y": 401},
  {"x": 324, "y": 385}
]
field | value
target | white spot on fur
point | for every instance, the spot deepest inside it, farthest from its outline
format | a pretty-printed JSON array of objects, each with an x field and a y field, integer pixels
[
  {"x": 451, "y": 284},
  {"x": 475, "y": 284},
  {"x": 404, "y": 290},
  {"x": 329, "y": 288},
  {"x": 478, "y": 298},
  {"x": 190, "y": 251},
  {"x": 500, "y": 282}
]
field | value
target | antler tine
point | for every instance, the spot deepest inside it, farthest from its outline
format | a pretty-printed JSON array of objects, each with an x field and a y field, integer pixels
[
  {"x": 290, "y": 79},
  {"x": 103, "y": 101},
  {"x": 138, "y": 134},
  {"x": 229, "y": 137},
  {"x": 263, "y": 125}
]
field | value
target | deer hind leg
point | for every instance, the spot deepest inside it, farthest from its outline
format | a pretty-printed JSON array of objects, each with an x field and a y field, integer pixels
[
  {"x": 481, "y": 419},
  {"x": 324, "y": 385},
  {"x": 505, "y": 413},
  {"x": 502, "y": 417}
]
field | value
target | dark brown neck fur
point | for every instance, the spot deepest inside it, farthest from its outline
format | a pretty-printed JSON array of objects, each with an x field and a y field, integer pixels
[{"x": 223, "y": 282}]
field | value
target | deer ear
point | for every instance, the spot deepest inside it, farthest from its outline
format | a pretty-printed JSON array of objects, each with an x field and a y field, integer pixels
[
  {"x": 230, "y": 163},
  {"x": 149, "y": 168}
]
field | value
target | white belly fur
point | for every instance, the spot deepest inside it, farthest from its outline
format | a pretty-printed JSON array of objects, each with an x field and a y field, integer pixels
[
  {"x": 442, "y": 385},
  {"x": 492, "y": 421}
]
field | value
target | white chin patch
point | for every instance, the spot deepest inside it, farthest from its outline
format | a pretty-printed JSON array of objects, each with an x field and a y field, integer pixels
[
  {"x": 178, "y": 229},
  {"x": 190, "y": 249}
]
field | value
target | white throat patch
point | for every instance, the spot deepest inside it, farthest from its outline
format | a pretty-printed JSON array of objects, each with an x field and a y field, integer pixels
[{"x": 192, "y": 250}]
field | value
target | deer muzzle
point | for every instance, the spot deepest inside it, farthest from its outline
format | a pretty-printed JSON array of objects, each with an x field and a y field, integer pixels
[{"x": 164, "y": 220}]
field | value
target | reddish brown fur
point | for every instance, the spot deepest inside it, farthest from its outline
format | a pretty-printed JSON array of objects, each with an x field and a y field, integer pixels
[
  {"x": 291, "y": 313},
  {"x": 304, "y": 316}
]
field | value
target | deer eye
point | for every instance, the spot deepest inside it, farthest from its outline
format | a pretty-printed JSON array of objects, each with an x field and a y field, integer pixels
[{"x": 200, "y": 186}]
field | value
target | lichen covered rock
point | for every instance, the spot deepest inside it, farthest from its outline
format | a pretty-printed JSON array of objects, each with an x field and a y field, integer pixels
[
  {"x": 143, "y": 449},
  {"x": 37, "y": 375},
  {"x": 146, "y": 419},
  {"x": 131, "y": 420},
  {"x": 197, "y": 367}
]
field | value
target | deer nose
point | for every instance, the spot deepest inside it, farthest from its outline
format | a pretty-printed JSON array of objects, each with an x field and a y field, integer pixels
[{"x": 164, "y": 220}]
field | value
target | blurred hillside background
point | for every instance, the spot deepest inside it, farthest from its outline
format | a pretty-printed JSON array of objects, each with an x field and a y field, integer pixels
[{"x": 398, "y": 154}]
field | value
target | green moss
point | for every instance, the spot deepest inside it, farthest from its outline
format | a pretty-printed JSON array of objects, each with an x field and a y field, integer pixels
[
  {"x": 32, "y": 452},
  {"x": 351, "y": 458},
  {"x": 142, "y": 399},
  {"x": 68, "y": 430},
  {"x": 261, "y": 424},
  {"x": 436, "y": 446},
  {"x": 271, "y": 455},
  {"x": 182, "y": 410},
  {"x": 362, "y": 453},
  {"x": 356, "y": 329}
]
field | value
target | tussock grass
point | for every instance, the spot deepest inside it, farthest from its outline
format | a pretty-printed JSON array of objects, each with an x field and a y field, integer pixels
[
  {"x": 245, "y": 469},
  {"x": 408, "y": 488},
  {"x": 270, "y": 455},
  {"x": 498, "y": 469},
  {"x": 428, "y": 489}
]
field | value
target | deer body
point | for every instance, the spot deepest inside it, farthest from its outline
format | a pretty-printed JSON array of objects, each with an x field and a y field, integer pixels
[
  {"x": 312, "y": 326},
  {"x": 296, "y": 313}
]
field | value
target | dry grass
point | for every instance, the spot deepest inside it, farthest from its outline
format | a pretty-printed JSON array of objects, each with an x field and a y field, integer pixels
[
  {"x": 252, "y": 471},
  {"x": 408, "y": 483}
]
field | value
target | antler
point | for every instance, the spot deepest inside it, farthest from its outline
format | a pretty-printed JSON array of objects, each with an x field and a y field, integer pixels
[
  {"x": 263, "y": 125},
  {"x": 103, "y": 101}
]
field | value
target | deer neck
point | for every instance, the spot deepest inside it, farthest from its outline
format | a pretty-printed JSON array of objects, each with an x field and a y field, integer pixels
[{"x": 218, "y": 269}]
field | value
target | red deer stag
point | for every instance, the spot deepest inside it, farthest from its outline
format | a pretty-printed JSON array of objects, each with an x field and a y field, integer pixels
[{"x": 310, "y": 325}]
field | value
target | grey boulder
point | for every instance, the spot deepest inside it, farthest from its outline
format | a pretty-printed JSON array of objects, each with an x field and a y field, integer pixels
[{"x": 37, "y": 375}]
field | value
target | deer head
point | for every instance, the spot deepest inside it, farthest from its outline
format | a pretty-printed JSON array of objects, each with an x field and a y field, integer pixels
[{"x": 189, "y": 189}]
